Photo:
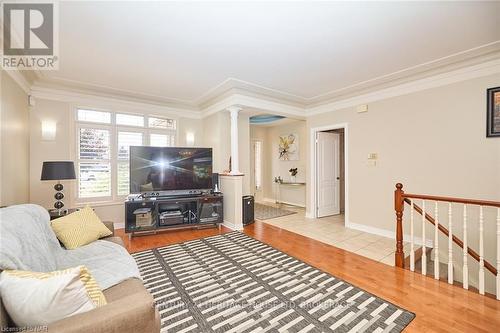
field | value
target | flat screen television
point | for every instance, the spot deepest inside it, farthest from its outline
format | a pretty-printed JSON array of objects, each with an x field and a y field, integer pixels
[{"x": 170, "y": 169}]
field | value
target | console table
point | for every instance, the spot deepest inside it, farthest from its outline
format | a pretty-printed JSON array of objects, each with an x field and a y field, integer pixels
[
  {"x": 278, "y": 189},
  {"x": 151, "y": 215}
]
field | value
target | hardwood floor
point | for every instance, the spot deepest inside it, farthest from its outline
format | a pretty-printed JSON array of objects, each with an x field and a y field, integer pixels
[{"x": 439, "y": 307}]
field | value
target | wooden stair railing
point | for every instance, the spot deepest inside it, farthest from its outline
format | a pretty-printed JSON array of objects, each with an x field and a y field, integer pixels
[
  {"x": 401, "y": 198},
  {"x": 455, "y": 239}
]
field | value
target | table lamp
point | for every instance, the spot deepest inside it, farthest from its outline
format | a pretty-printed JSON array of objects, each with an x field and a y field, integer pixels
[{"x": 58, "y": 170}]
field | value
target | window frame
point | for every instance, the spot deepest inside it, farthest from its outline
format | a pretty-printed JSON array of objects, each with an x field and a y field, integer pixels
[
  {"x": 161, "y": 132},
  {"x": 114, "y": 129},
  {"x": 78, "y": 160},
  {"x": 258, "y": 188},
  {"x": 145, "y": 142}
]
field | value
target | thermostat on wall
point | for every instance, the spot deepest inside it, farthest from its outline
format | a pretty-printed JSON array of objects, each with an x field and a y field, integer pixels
[{"x": 362, "y": 108}]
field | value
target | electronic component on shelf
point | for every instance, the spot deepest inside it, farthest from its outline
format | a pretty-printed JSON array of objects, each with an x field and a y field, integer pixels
[
  {"x": 170, "y": 213},
  {"x": 171, "y": 217},
  {"x": 143, "y": 217},
  {"x": 154, "y": 214}
]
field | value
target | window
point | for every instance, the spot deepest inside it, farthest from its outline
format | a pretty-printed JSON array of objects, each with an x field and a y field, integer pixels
[
  {"x": 257, "y": 145},
  {"x": 94, "y": 116},
  {"x": 103, "y": 145},
  {"x": 94, "y": 163},
  {"x": 129, "y": 120},
  {"x": 161, "y": 123},
  {"x": 161, "y": 140},
  {"x": 125, "y": 140}
]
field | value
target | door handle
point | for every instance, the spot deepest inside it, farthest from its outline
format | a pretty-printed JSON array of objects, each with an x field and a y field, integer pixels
[{"x": 338, "y": 178}]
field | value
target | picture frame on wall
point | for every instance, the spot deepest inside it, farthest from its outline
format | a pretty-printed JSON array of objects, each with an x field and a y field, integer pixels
[
  {"x": 493, "y": 112},
  {"x": 288, "y": 147}
]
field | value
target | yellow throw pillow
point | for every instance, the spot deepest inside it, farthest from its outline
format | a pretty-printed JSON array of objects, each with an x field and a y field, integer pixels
[
  {"x": 79, "y": 228},
  {"x": 33, "y": 299}
]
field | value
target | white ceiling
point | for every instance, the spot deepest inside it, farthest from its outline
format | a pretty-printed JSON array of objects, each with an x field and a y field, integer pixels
[{"x": 181, "y": 51}]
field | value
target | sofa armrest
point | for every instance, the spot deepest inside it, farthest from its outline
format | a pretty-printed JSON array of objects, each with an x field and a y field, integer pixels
[
  {"x": 110, "y": 225},
  {"x": 133, "y": 313}
]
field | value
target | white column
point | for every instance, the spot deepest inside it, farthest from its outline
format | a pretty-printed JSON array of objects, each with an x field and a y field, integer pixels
[
  {"x": 235, "y": 165},
  {"x": 232, "y": 187}
]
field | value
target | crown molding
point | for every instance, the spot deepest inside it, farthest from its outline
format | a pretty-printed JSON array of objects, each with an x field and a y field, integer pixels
[
  {"x": 479, "y": 61},
  {"x": 19, "y": 78},
  {"x": 235, "y": 86},
  {"x": 468, "y": 58},
  {"x": 231, "y": 86},
  {"x": 24, "y": 78},
  {"x": 110, "y": 92},
  {"x": 462, "y": 74},
  {"x": 84, "y": 99},
  {"x": 250, "y": 102}
]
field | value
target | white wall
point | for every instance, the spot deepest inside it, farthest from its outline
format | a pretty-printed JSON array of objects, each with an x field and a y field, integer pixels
[
  {"x": 217, "y": 135},
  {"x": 434, "y": 142},
  {"x": 64, "y": 146},
  {"x": 14, "y": 143},
  {"x": 42, "y": 192},
  {"x": 217, "y": 132},
  {"x": 194, "y": 127},
  {"x": 273, "y": 167}
]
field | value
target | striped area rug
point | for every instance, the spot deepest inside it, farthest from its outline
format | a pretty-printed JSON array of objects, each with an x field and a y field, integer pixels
[{"x": 234, "y": 283}]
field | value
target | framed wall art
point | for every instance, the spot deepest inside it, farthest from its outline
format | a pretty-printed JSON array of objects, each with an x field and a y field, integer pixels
[{"x": 493, "y": 112}]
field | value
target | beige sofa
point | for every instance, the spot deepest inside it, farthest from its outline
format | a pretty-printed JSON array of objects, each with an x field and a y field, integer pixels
[{"x": 130, "y": 308}]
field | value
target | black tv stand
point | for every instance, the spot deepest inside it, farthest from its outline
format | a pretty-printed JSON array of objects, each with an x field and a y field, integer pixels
[
  {"x": 154, "y": 214},
  {"x": 178, "y": 196}
]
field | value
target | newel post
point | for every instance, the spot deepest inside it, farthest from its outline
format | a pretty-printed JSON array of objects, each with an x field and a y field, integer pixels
[{"x": 399, "y": 206}]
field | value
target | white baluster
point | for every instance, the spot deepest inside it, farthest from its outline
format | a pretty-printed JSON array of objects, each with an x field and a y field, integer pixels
[
  {"x": 412, "y": 250},
  {"x": 436, "y": 241},
  {"x": 481, "y": 251},
  {"x": 450, "y": 246},
  {"x": 424, "y": 255},
  {"x": 465, "y": 267},
  {"x": 498, "y": 253}
]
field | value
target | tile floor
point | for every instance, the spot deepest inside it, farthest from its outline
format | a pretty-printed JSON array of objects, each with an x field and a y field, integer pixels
[{"x": 331, "y": 230}]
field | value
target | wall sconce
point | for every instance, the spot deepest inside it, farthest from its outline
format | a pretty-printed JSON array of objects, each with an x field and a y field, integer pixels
[
  {"x": 190, "y": 138},
  {"x": 49, "y": 129}
]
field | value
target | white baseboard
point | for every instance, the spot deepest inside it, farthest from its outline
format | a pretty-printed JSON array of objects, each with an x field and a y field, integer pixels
[
  {"x": 232, "y": 226},
  {"x": 386, "y": 233},
  {"x": 284, "y": 202},
  {"x": 119, "y": 225}
]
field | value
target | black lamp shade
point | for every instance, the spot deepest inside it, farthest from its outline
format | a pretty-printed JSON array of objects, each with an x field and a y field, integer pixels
[{"x": 58, "y": 170}]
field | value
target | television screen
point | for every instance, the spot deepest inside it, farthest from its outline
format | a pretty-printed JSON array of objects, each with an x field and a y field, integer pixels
[{"x": 170, "y": 169}]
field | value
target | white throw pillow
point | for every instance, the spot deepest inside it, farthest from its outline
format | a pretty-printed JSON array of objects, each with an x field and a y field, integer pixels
[{"x": 37, "y": 299}]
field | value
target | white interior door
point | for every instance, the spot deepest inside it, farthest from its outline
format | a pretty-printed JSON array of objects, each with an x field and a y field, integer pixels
[{"x": 328, "y": 174}]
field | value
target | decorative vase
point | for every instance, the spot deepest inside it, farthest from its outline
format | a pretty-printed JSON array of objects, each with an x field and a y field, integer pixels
[{"x": 293, "y": 179}]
